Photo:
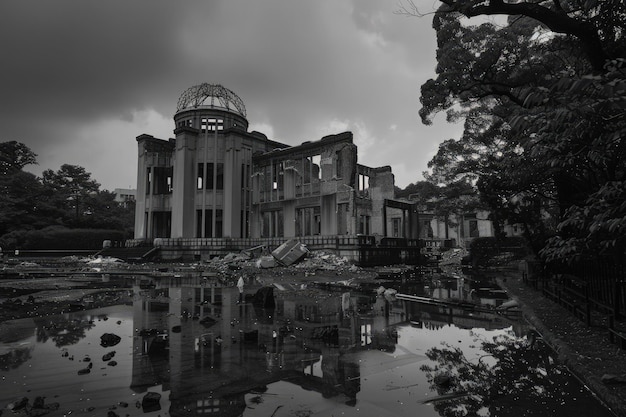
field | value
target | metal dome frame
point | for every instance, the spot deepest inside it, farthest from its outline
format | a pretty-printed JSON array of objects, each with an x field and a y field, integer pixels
[{"x": 197, "y": 96}]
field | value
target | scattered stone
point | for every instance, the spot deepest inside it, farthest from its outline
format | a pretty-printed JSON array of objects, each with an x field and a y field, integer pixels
[
  {"x": 18, "y": 405},
  {"x": 108, "y": 356},
  {"x": 443, "y": 380},
  {"x": 84, "y": 371},
  {"x": 264, "y": 298},
  {"x": 123, "y": 404},
  {"x": 38, "y": 402},
  {"x": 112, "y": 363},
  {"x": 109, "y": 339},
  {"x": 150, "y": 402},
  {"x": 112, "y": 414},
  {"x": 176, "y": 329}
]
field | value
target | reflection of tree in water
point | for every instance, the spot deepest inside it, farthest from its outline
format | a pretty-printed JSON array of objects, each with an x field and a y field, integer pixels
[
  {"x": 63, "y": 330},
  {"x": 14, "y": 358},
  {"x": 513, "y": 377}
]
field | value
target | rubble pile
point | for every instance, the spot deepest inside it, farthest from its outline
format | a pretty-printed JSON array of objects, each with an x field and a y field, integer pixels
[
  {"x": 299, "y": 260},
  {"x": 453, "y": 256},
  {"x": 451, "y": 261},
  {"x": 322, "y": 261}
]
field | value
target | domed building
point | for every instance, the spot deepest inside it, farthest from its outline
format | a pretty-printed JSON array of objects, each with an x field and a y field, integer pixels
[
  {"x": 192, "y": 183},
  {"x": 216, "y": 186}
]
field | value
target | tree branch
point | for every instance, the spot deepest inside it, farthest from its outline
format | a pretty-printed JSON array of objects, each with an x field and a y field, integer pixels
[{"x": 555, "y": 20}]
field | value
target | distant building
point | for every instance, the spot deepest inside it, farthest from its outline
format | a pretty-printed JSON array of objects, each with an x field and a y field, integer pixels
[
  {"x": 216, "y": 180},
  {"x": 125, "y": 196}
]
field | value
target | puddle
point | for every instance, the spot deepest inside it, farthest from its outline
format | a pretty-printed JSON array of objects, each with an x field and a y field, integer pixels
[{"x": 198, "y": 350}]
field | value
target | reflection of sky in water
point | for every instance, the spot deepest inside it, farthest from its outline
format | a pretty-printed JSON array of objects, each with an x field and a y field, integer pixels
[
  {"x": 52, "y": 371},
  {"x": 370, "y": 368}
]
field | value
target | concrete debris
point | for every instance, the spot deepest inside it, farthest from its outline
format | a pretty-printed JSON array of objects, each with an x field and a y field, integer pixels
[
  {"x": 452, "y": 257},
  {"x": 109, "y": 339},
  {"x": 266, "y": 262},
  {"x": 325, "y": 261},
  {"x": 390, "y": 294},
  {"x": 290, "y": 252},
  {"x": 104, "y": 260},
  {"x": 151, "y": 402}
]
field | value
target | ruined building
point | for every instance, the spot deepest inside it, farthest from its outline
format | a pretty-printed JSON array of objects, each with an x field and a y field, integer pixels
[{"x": 217, "y": 186}]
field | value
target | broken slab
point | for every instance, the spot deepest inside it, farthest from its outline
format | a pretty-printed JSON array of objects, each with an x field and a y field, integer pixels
[{"x": 290, "y": 252}]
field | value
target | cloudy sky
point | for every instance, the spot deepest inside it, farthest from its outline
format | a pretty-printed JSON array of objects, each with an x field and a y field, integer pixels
[{"x": 80, "y": 80}]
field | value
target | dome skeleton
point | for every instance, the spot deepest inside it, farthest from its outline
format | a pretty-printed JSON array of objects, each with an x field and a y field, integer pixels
[{"x": 199, "y": 95}]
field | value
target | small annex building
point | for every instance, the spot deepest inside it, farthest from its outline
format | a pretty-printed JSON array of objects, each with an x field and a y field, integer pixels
[{"x": 216, "y": 186}]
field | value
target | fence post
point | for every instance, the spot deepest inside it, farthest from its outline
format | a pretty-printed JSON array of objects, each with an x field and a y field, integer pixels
[
  {"x": 587, "y": 306},
  {"x": 616, "y": 297},
  {"x": 611, "y": 327}
]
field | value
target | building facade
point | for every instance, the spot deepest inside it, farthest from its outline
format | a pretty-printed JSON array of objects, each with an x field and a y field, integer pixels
[
  {"x": 125, "y": 196},
  {"x": 215, "y": 179}
]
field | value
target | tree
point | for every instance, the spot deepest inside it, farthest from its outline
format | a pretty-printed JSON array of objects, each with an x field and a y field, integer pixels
[
  {"x": 543, "y": 98},
  {"x": 447, "y": 202},
  {"x": 14, "y": 156},
  {"x": 598, "y": 26},
  {"x": 103, "y": 212},
  {"x": 73, "y": 187},
  {"x": 24, "y": 203}
]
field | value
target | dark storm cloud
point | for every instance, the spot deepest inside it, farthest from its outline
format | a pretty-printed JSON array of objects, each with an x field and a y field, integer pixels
[
  {"x": 86, "y": 58},
  {"x": 80, "y": 79}
]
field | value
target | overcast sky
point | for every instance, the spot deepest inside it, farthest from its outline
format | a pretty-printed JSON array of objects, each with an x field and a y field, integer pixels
[{"x": 80, "y": 80}]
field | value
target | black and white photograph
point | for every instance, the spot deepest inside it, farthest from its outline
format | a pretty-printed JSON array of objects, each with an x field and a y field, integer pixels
[{"x": 289, "y": 208}]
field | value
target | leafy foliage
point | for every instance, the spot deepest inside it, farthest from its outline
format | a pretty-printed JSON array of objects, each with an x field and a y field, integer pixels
[
  {"x": 14, "y": 156},
  {"x": 31, "y": 207},
  {"x": 73, "y": 187},
  {"x": 544, "y": 101},
  {"x": 446, "y": 202},
  {"x": 60, "y": 238}
]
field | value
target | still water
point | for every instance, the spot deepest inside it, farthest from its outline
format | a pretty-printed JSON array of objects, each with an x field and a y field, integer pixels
[{"x": 199, "y": 350}]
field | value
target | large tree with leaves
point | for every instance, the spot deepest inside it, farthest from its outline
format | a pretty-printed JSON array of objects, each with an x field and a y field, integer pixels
[
  {"x": 24, "y": 202},
  {"x": 543, "y": 96},
  {"x": 73, "y": 187}
]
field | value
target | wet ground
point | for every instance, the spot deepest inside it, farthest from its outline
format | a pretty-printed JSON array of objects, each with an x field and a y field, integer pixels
[{"x": 184, "y": 345}]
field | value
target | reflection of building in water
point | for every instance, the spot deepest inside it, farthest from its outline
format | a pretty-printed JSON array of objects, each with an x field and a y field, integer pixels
[
  {"x": 437, "y": 316},
  {"x": 219, "y": 350}
]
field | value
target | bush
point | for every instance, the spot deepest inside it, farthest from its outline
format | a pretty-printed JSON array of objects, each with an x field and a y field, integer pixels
[{"x": 59, "y": 238}]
